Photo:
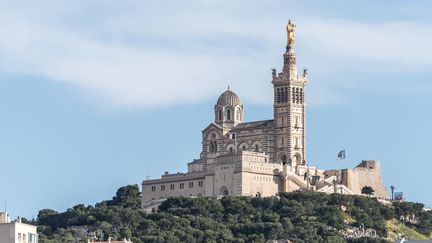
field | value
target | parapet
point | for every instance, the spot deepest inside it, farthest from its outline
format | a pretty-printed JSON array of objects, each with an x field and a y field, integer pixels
[{"x": 369, "y": 164}]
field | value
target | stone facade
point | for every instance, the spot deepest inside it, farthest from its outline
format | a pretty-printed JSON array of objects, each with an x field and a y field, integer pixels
[
  {"x": 367, "y": 173},
  {"x": 260, "y": 158}
]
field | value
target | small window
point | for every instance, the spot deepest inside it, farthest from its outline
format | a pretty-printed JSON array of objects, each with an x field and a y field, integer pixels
[
  {"x": 181, "y": 185},
  {"x": 256, "y": 148},
  {"x": 200, "y": 183},
  {"x": 229, "y": 115},
  {"x": 153, "y": 188},
  {"x": 190, "y": 184},
  {"x": 172, "y": 186},
  {"x": 19, "y": 237},
  {"x": 244, "y": 148},
  {"x": 220, "y": 114},
  {"x": 163, "y": 188},
  {"x": 31, "y": 238}
]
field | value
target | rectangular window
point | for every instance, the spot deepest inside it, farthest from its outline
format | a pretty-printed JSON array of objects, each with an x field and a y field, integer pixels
[
  {"x": 153, "y": 188},
  {"x": 200, "y": 183},
  {"x": 172, "y": 186},
  {"x": 190, "y": 184},
  {"x": 181, "y": 185},
  {"x": 19, "y": 237},
  {"x": 24, "y": 238},
  {"x": 163, "y": 188}
]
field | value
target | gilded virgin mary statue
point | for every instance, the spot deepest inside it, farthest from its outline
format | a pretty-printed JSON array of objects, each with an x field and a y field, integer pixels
[{"x": 290, "y": 33}]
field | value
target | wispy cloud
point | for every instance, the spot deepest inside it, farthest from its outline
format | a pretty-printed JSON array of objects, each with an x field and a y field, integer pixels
[{"x": 147, "y": 55}]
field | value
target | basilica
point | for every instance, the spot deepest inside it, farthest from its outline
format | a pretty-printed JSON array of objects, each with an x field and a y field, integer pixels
[{"x": 261, "y": 158}]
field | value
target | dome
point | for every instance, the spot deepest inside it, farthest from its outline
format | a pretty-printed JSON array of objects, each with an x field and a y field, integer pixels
[{"x": 228, "y": 98}]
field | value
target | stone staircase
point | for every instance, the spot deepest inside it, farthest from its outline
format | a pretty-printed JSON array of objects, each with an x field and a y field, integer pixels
[
  {"x": 299, "y": 180},
  {"x": 153, "y": 204}
]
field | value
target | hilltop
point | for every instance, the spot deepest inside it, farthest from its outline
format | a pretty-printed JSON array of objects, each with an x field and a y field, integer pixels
[{"x": 297, "y": 216}]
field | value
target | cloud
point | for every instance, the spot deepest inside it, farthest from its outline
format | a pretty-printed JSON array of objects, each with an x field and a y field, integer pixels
[{"x": 150, "y": 55}]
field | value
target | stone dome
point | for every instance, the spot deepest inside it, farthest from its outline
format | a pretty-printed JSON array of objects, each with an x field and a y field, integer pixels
[{"x": 228, "y": 98}]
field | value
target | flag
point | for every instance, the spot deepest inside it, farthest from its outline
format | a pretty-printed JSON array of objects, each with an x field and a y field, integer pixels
[
  {"x": 341, "y": 155},
  {"x": 231, "y": 135}
]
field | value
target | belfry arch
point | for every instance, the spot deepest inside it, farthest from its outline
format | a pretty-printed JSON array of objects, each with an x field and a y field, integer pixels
[
  {"x": 297, "y": 159},
  {"x": 283, "y": 159}
]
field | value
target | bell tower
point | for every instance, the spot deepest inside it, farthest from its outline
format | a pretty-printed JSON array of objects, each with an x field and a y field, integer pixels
[{"x": 290, "y": 107}]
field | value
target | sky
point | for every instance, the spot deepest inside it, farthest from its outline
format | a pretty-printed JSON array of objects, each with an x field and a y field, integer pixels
[{"x": 95, "y": 95}]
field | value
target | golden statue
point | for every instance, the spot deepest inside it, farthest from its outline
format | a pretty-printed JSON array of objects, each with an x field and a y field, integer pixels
[{"x": 290, "y": 33}]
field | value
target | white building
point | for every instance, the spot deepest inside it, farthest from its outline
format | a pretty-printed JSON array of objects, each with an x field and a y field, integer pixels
[{"x": 15, "y": 231}]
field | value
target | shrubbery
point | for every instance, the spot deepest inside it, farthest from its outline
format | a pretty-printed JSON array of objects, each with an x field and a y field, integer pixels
[{"x": 299, "y": 217}]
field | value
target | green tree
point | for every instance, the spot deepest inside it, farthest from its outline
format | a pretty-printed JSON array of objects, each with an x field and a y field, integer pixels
[
  {"x": 127, "y": 196},
  {"x": 367, "y": 190}
]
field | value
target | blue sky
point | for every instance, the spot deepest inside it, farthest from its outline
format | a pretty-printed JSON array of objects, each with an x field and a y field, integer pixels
[{"x": 95, "y": 95}]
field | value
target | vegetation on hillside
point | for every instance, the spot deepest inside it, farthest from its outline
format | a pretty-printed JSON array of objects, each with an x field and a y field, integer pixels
[{"x": 299, "y": 217}]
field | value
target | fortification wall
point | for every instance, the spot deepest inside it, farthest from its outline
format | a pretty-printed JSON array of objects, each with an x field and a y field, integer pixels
[{"x": 367, "y": 173}]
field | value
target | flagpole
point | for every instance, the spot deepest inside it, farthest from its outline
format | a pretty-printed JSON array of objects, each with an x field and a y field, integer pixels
[{"x": 346, "y": 160}]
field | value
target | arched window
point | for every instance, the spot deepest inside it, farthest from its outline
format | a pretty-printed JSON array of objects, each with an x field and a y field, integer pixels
[
  {"x": 297, "y": 159},
  {"x": 220, "y": 114},
  {"x": 282, "y": 95},
  {"x": 229, "y": 115},
  {"x": 293, "y": 95},
  {"x": 283, "y": 159},
  {"x": 224, "y": 191},
  {"x": 230, "y": 148},
  {"x": 278, "y": 95},
  {"x": 301, "y": 96},
  {"x": 256, "y": 146},
  {"x": 212, "y": 143},
  {"x": 244, "y": 148}
]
